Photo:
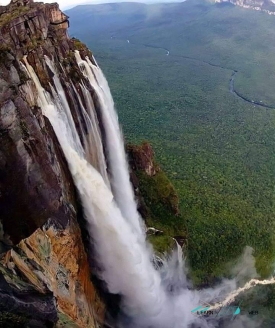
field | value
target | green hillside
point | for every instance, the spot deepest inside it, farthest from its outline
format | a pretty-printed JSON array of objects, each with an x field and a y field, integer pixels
[{"x": 216, "y": 148}]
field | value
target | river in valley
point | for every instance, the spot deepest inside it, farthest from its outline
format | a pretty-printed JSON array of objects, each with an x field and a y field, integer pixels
[{"x": 231, "y": 88}]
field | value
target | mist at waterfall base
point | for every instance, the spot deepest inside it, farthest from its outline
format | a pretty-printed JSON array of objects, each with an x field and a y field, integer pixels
[{"x": 151, "y": 296}]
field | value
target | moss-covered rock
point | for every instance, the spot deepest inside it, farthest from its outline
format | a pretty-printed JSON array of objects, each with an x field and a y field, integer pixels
[
  {"x": 14, "y": 12},
  {"x": 157, "y": 197},
  {"x": 82, "y": 48}
]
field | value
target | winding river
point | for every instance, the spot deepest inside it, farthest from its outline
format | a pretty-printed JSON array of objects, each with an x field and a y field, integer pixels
[
  {"x": 236, "y": 93},
  {"x": 232, "y": 78}
]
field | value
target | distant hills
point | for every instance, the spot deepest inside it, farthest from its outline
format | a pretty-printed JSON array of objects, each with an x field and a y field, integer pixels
[
  {"x": 105, "y": 15},
  {"x": 115, "y": 17},
  {"x": 267, "y": 6}
]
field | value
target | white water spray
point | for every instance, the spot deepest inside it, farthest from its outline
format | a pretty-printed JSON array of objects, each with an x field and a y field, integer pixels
[{"x": 125, "y": 261}]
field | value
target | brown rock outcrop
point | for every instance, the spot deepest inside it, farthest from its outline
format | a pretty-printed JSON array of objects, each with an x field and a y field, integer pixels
[
  {"x": 157, "y": 198},
  {"x": 150, "y": 183},
  {"x": 142, "y": 158}
]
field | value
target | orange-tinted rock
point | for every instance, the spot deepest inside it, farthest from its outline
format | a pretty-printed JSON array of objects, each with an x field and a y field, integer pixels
[{"x": 54, "y": 260}]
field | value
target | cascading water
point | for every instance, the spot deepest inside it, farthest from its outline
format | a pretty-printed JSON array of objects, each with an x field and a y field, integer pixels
[
  {"x": 92, "y": 139},
  {"x": 96, "y": 136},
  {"x": 91, "y": 136},
  {"x": 124, "y": 196},
  {"x": 150, "y": 297},
  {"x": 126, "y": 264}
]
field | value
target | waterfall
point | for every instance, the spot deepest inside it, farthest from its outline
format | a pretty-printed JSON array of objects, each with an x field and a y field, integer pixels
[
  {"x": 91, "y": 136},
  {"x": 92, "y": 139},
  {"x": 150, "y": 297},
  {"x": 125, "y": 262},
  {"x": 115, "y": 145}
]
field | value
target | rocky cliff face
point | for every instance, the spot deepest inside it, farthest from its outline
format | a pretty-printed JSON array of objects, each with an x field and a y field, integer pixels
[
  {"x": 267, "y": 6},
  {"x": 158, "y": 201},
  {"x": 44, "y": 271},
  {"x": 142, "y": 162}
]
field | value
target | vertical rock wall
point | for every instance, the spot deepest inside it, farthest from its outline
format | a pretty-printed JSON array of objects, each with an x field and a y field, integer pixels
[{"x": 44, "y": 271}]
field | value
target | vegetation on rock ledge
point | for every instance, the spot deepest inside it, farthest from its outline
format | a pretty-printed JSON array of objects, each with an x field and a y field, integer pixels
[
  {"x": 7, "y": 17},
  {"x": 160, "y": 199}
]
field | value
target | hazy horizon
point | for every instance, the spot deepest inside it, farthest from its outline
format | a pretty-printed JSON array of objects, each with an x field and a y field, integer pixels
[{"x": 68, "y": 4}]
